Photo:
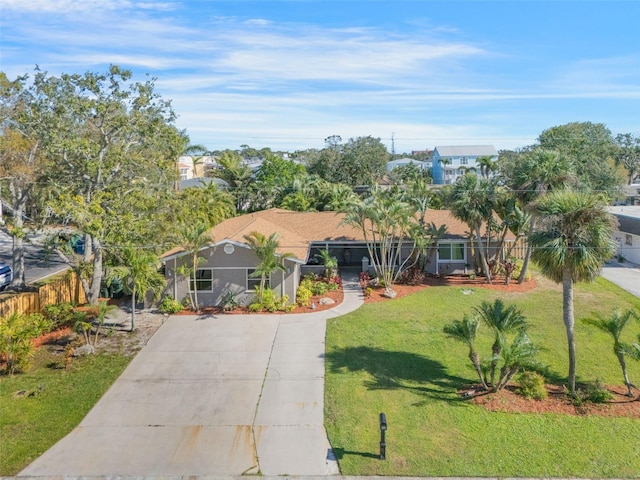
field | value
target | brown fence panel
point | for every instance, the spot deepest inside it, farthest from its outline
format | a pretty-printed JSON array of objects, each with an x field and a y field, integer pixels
[{"x": 65, "y": 288}]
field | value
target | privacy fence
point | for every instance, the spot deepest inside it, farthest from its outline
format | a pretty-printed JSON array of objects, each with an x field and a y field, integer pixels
[{"x": 63, "y": 288}]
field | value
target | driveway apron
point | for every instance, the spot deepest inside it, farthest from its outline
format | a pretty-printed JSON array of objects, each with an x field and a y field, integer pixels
[{"x": 211, "y": 395}]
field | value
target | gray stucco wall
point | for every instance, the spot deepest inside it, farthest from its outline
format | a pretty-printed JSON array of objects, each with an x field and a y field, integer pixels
[{"x": 229, "y": 272}]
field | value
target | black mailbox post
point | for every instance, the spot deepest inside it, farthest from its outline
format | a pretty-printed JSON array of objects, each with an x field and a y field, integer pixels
[{"x": 383, "y": 443}]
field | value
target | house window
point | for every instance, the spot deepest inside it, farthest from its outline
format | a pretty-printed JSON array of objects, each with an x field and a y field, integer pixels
[
  {"x": 464, "y": 161},
  {"x": 204, "y": 280},
  {"x": 254, "y": 282},
  {"x": 628, "y": 239},
  {"x": 451, "y": 252}
]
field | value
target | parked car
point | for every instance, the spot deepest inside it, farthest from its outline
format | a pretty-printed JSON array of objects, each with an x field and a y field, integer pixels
[{"x": 6, "y": 275}]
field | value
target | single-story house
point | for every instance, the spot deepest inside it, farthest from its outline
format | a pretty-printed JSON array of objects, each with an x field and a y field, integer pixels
[
  {"x": 229, "y": 262},
  {"x": 403, "y": 162},
  {"x": 627, "y": 233}
]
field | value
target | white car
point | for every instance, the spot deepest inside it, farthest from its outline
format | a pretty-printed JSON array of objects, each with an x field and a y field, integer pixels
[{"x": 6, "y": 275}]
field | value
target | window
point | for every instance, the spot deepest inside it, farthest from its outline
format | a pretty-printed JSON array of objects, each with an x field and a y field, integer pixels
[
  {"x": 464, "y": 161},
  {"x": 254, "y": 282},
  {"x": 204, "y": 280},
  {"x": 628, "y": 239},
  {"x": 451, "y": 252}
]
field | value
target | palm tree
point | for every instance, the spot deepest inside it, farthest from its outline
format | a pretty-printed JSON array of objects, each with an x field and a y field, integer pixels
[
  {"x": 487, "y": 166},
  {"x": 139, "y": 275},
  {"x": 571, "y": 245},
  {"x": 533, "y": 174},
  {"x": 614, "y": 325},
  {"x": 193, "y": 238},
  {"x": 519, "y": 354},
  {"x": 465, "y": 331},
  {"x": 266, "y": 249},
  {"x": 472, "y": 202},
  {"x": 444, "y": 162},
  {"x": 502, "y": 320}
]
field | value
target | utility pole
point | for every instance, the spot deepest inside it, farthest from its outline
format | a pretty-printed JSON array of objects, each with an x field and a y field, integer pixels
[{"x": 393, "y": 144}]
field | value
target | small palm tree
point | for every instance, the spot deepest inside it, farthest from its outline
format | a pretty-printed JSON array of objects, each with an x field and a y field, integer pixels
[
  {"x": 193, "y": 238},
  {"x": 266, "y": 249},
  {"x": 139, "y": 275},
  {"x": 330, "y": 264},
  {"x": 521, "y": 353},
  {"x": 465, "y": 331},
  {"x": 614, "y": 325},
  {"x": 502, "y": 320},
  {"x": 572, "y": 243}
]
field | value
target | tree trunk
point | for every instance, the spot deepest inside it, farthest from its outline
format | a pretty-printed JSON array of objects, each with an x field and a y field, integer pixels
[
  {"x": 483, "y": 258},
  {"x": 96, "y": 279},
  {"x": 527, "y": 255},
  {"x": 17, "y": 235},
  {"x": 475, "y": 360},
  {"x": 623, "y": 365},
  {"x": 133, "y": 311},
  {"x": 568, "y": 318}
]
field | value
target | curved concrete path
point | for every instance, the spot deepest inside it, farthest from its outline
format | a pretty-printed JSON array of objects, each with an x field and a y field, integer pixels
[{"x": 212, "y": 395}]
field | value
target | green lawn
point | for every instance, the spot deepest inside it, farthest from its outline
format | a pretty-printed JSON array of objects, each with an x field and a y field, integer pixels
[
  {"x": 29, "y": 425},
  {"x": 392, "y": 357}
]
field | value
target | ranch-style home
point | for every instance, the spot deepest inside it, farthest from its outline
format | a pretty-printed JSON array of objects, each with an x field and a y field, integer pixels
[
  {"x": 627, "y": 233},
  {"x": 228, "y": 262}
]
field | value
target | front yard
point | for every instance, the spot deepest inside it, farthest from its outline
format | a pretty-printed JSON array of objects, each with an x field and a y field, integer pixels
[{"x": 393, "y": 357}]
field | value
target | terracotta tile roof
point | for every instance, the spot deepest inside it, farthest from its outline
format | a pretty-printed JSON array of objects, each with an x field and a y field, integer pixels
[{"x": 297, "y": 230}]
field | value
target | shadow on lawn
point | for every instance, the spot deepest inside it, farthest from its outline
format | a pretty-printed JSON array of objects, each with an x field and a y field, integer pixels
[{"x": 396, "y": 370}]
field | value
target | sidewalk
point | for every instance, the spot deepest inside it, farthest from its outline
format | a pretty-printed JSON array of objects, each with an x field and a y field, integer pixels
[
  {"x": 211, "y": 396},
  {"x": 626, "y": 275}
]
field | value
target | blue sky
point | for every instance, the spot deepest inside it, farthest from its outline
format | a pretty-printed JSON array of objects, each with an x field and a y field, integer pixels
[{"x": 286, "y": 75}]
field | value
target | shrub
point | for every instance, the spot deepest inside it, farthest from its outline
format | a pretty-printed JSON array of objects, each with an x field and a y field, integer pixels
[
  {"x": 517, "y": 269},
  {"x": 16, "y": 333},
  {"x": 411, "y": 276},
  {"x": 597, "y": 392},
  {"x": 229, "y": 302},
  {"x": 303, "y": 296},
  {"x": 319, "y": 288},
  {"x": 60, "y": 315},
  {"x": 531, "y": 386},
  {"x": 169, "y": 306},
  {"x": 255, "y": 307}
]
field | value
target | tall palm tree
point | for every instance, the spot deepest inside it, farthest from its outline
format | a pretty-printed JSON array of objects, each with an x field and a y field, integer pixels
[
  {"x": 465, "y": 331},
  {"x": 472, "y": 202},
  {"x": 266, "y": 249},
  {"x": 502, "y": 319},
  {"x": 614, "y": 325},
  {"x": 139, "y": 275},
  {"x": 572, "y": 243},
  {"x": 444, "y": 162},
  {"x": 193, "y": 238},
  {"x": 534, "y": 173},
  {"x": 487, "y": 166}
]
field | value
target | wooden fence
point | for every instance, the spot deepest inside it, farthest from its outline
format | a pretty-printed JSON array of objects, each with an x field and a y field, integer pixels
[{"x": 64, "y": 288}]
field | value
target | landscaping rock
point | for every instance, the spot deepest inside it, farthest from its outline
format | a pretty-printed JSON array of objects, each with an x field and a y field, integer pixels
[
  {"x": 84, "y": 350},
  {"x": 326, "y": 301},
  {"x": 389, "y": 293}
]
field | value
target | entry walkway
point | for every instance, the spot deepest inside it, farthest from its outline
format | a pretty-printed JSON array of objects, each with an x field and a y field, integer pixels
[{"x": 211, "y": 396}]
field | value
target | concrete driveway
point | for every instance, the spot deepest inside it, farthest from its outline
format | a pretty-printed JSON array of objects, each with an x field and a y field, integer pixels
[
  {"x": 211, "y": 395},
  {"x": 626, "y": 275}
]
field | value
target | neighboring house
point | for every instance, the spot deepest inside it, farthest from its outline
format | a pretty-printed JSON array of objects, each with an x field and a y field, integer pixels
[
  {"x": 185, "y": 170},
  {"x": 229, "y": 262},
  {"x": 627, "y": 233},
  {"x": 403, "y": 162},
  {"x": 451, "y": 162}
]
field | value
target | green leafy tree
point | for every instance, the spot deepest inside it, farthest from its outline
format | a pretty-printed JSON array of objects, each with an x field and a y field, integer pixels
[
  {"x": 614, "y": 325},
  {"x": 274, "y": 179},
  {"x": 22, "y": 161},
  {"x": 571, "y": 245},
  {"x": 112, "y": 158},
  {"x": 628, "y": 155},
  {"x": 139, "y": 274},
  {"x": 591, "y": 149},
  {"x": 233, "y": 170}
]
